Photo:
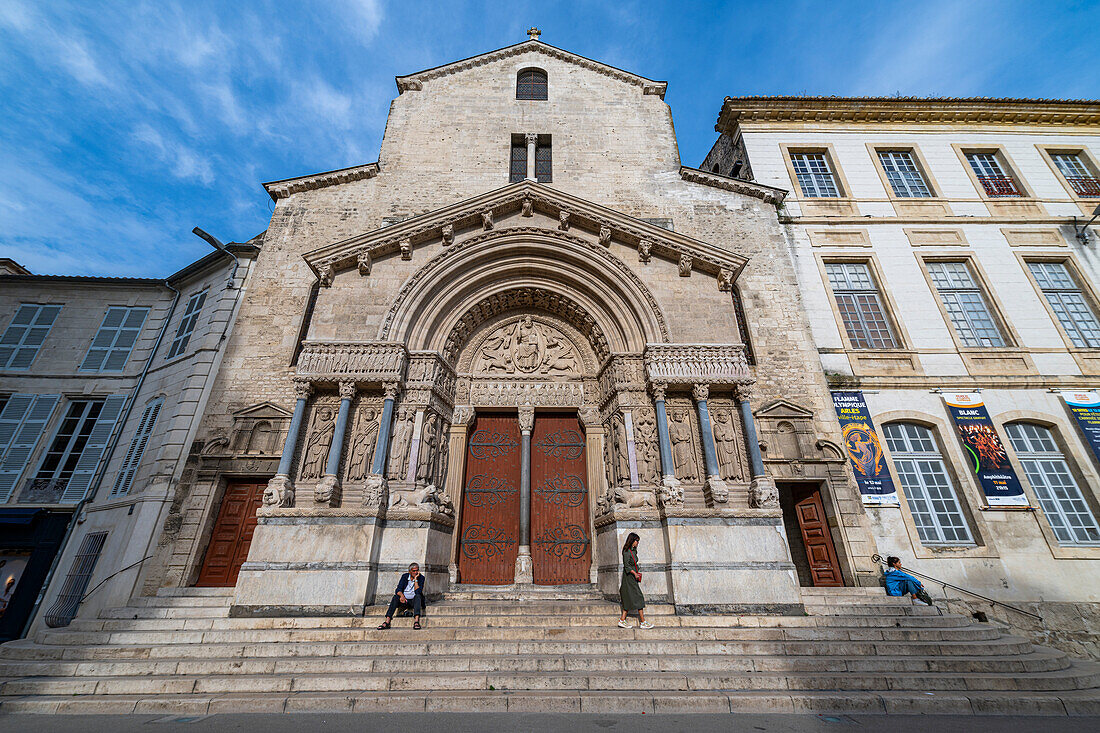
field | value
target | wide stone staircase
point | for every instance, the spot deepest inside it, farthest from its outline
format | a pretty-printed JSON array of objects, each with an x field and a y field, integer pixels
[{"x": 856, "y": 650}]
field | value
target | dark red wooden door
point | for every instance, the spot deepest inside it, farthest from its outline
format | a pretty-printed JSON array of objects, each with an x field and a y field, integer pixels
[
  {"x": 824, "y": 566},
  {"x": 489, "y": 541},
  {"x": 561, "y": 548},
  {"x": 232, "y": 534}
]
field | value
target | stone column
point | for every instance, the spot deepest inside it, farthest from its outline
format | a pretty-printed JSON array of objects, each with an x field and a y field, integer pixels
[
  {"x": 597, "y": 477},
  {"x": 531, "y": 139},
  {"x": 456, "y": 469},
  {"x": 762, "y": 490},
  {"x": 376, "y": 481},
  {"x": 718, "y": 491},
  {"x": 280, "y": 489},
  {"x": 670, "y": 485},
  {"x": 524, "y": 566},
  {"x": 328, "y": 488}
]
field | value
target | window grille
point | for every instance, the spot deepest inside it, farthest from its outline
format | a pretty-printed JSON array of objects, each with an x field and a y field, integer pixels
[
  {"x": 902, "y": 173},
  {"x": 187, "y": 324},
  {"x": 1078, "y": 175},
  {"x": 860, "y": 306},
  {"x": 115, "y": 339},
  {"x": 25, "y": 334},
  {"x": 996, "y": 182},
  {"x": 517, "y": 171},
  {"x": 815, "y": 177},
  {"x": 928, "y": 489},
  {"x": 543, "y": 162},
  {"x": 531, "y": 84},
  {"x": 1048, "y": 473},
  {"x": 132, "y": 460},
  {"x": 61, "y": 613},
  {"x": 1068, "y": 302},
  {"x": 966, "y": 304}
]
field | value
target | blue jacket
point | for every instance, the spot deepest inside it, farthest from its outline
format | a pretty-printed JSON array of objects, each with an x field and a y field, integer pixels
[
  {"x": 405, "y": 581},
  {"x": 896, "y": 580}
]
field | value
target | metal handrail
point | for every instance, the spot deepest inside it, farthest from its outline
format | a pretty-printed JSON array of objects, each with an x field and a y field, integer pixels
[{"x": 878, "y": 558}]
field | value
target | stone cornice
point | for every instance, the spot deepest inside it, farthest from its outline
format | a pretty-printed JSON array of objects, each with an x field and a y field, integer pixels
[
  {"x": 415, "y": 82},
  {"x": 767, "y": 194},
  {"x": 443, "y": 224},
  {"x": 960, "y": 111},
  {"x": 281, "y": 189}
]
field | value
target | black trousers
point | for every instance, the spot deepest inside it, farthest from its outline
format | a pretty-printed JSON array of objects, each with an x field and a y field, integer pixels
[{"x": 416, "y": 604}]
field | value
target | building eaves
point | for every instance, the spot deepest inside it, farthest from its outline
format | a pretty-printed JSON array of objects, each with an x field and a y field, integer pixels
[
  {"x": 287, "y": 186},
  {"x": 201, "y": 264},
  {"x": 414, "y": 82},
  {"x": 84, "y": 280},
  {"x": 767, "y": 194},
  {"x": 931, "y": 110}
]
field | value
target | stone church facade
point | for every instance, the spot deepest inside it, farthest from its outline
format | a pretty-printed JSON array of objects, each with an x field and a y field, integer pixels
[{"x": 523, "y": 333}]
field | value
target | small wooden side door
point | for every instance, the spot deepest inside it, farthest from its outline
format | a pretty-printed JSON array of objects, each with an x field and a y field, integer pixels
[
  {"x": 489, "y": 541},
  {"x": 824, "y": 566},
  {"x": 232, "y": 535}
]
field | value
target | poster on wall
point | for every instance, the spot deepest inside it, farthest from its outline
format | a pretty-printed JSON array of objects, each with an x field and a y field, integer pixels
[
  {"x": 1085, "y": 408},
  {"x": 864, "y": 449},
  {"x": 985, "y": 452},
  {"x": 12, "y": 565}
]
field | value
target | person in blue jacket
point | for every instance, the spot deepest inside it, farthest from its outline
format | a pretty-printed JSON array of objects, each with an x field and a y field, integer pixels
[
  {"x": 409, "y": 594},
  {"x": 900, "y": 583}
]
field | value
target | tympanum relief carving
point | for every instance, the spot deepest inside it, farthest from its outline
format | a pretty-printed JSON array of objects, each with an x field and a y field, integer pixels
[{"x": 527, "y": 346}]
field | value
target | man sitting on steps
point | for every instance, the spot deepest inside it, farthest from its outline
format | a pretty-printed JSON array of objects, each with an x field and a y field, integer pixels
[
  {"x": 900, "y": 583},
  {"x": 409, "y": 594}
]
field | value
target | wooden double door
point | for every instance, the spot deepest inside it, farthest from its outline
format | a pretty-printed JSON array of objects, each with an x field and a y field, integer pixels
[
  {"x": 232, "y": 535},
  {"x": 813, "y": 524},
  {"x": 561, "y": 545}
]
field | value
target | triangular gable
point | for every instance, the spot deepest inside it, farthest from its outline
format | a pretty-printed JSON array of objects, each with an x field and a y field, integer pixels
[
  {"x": 263, "y": 410},
  {"x": 783, "y": 408},
  {"x": 414, "y": 82},
  {"x": 361, "y": 250}
]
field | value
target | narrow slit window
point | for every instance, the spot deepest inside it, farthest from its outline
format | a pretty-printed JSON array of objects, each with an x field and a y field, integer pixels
[
  {"x": 187, "y": 324},
  {"x": 517, "y": 170},
  {"x": 543, "y": 160}
]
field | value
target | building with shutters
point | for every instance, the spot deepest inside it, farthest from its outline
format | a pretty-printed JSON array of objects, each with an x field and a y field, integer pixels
[
  {"x": 937, "y": 250},
  {"x": 101, "y": 380}
]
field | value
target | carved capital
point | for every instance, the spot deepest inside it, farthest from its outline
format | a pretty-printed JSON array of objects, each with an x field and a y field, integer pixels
[
  {"x": 526, "y": 418},
  {"x": 364, "y": 263},
  {"x": 390, "y": 390},
  {"x": 462, "y": 415},
  {"x": 644, "y": 248},
  {"x": 347, "y": 390},
  {"x": 563, "y": 220},
  {"x": 700, "y": 392},
  {"x": 590, "y": 417},
  {"x": 685, "y": 265},
  {"x": 725, "y": 279},
  {"x": 743, "y": 392},
  {"x": 302, "y": 388},
  {"x": 659, "y": 389},
  {"x": 406, "y": 249},
  {"x": 487, "y": 220},
  {"x": 448, "y": 235},
  {"x": 531, "y": 138},
  {"x": 605, "y": 236}
]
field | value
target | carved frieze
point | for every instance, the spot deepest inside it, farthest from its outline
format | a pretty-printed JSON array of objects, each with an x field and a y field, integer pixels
[
  {"x": 366, "y": 361},
  {"x": 513, "y": 393},
  {"x": 428, "y": 372},
  {"x": 714, "y": 364},
  {"x": 622, "y": 373}
]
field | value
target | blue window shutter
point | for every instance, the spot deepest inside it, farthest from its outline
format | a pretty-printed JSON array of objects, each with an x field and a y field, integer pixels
[
  {"x": 11, "y": 418},
  {"x": 25, "y": 334},
  {"x": 25, "y": 439},
  {"x": 130, "y": 464},
  {"x": 93, "y": 450}
]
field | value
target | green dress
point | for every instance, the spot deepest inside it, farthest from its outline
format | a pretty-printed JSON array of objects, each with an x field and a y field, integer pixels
[{"x": 630, "y": 593}]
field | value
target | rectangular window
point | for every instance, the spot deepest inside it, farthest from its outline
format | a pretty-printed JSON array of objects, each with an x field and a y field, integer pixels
[
  {"x": 815, "y": 177},
  {"x": 187, "y": 324},
  {"x": 543, "y": 162},
  {"x": 25, "y": 334},
  {"x": 992, "y": 176},
  {"x": 1068, "y": 302},
  {"x": 928, "y": 490},
  {"x": 860, "y": 306},
  {"x": 1077, "y": 174},
  {"x": 137, "y": 449},
  {"x": 61, "y": 613},
  {"x": 517, "y": 170},
  {"x": 965, "y": 303},
  {"x": 113, "y": 342},
  {"x": 904, "y": 175}
]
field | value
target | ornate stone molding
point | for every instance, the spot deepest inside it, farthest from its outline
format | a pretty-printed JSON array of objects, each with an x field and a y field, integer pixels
[
  {"x": 347, "y": 390},
  {"x": 700, "y": 392},
  {"x": 342, "y": 361},
  {"x": 767, "y": 194},
  {"x": 514, "y": 393},
  {"x": 288, "y": 186},
  {"x": 691, "y": 364}
]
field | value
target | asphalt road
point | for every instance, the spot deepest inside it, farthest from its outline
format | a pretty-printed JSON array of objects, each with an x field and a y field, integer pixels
[{"x": 520, "y": 723}]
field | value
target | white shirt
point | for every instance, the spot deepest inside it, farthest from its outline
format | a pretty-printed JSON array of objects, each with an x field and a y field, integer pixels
[{"x": 410, "y": 589}]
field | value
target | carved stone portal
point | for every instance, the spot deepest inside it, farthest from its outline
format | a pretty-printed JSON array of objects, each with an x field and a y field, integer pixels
[{"x": 527, "y": 346}]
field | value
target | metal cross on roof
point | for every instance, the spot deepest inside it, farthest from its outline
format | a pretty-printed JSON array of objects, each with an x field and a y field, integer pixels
[{"x": 533, "y": 33}]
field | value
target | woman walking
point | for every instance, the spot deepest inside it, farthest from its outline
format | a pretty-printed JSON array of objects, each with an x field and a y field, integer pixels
[{"x": 630, "y": 593}]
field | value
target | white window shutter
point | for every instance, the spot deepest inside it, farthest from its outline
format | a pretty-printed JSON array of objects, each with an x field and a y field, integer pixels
[
  {"x": 25, "y": 439},
  {"x": 132, "y": 461},
  {"x": 93, "y": 450}
]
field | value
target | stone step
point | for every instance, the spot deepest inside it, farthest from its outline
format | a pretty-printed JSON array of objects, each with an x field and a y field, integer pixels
[
  {"x": 153, "y": 612},
  {"x": 181, "y": 601},
  {"x": 1038, "y": 661},
  {"x": 194, "y": 591},
  {"x": 1080, "y": 675}
]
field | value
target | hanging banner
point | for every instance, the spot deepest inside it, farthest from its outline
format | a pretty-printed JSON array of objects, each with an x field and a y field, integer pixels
[
  {"x": 864, "y": 449},
  {"x": 987, "y": 455},
  {"x": 1085, "y": 407}
]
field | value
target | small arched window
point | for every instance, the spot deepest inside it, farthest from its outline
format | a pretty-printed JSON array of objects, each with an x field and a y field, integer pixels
[{"x": 531, "y": 84}]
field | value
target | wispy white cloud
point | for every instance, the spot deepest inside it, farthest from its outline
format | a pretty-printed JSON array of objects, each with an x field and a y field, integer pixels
[{"x": 184, "y": 162}]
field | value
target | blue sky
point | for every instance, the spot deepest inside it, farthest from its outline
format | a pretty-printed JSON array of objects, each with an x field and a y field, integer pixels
[{"x": 125, "y": 124}]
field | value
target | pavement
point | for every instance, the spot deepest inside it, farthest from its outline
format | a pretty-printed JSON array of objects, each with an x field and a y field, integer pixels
[{"x": 521, "y": 723}]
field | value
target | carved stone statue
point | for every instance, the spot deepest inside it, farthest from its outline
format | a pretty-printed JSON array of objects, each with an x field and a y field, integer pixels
[
  {"x": 428, "y": 448},
  {"x": 361, "y": 449},
  {"x": 527, "y": 346},
  {"x": 683, "y": 448},
  {"x": 440, "y": 478},
  {"x": 727, "y": 442},
  {"x": 633, "y": 499},
  {"x": 279, "y": 492},
  {"x": 399, "y": 449},
  {"x": 608, "y": 453},
  {"x": 645, "y": 444},
  {"x": 622, "y": 459},
  {"x": 320, "y": 437}
]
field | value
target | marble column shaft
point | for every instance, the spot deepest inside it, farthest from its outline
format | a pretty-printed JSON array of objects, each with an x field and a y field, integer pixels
[
  {"x": 756, "y": 461},
  {"x": 291, "y": 443},
  {"x": 382, "y": 447},
  {"x": 332, "y": 466},
  {"x": 663, "y": 440}
]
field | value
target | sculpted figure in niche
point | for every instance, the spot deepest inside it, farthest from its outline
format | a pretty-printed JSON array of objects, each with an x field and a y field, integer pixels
[
  {"x": 608, "y": 452},
  {"x": 645, "y": 444},
  {"x": 399, "y": 450},
  {"x": 361, "y": 450},
  {"x": 526, "y": 354},
  {"x": 320, "y": 437},
  {"x": 727, "y": 441},
  {"x": 622, "y": 460},
  {"x": 443, "y": 453},
  {"x": 683, "y": 450},
  {"x": 427, "y": 451}
]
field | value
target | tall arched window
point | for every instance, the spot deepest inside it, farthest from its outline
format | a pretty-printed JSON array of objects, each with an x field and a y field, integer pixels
[
  {"x": 1055, "y": 488},
  {"x": 531, "y": 84},
  {"x": 928, "y": 489}
]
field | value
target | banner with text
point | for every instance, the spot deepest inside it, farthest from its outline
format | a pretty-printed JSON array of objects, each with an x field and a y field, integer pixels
[
  {"x": 984, "y": 449},
  {"x": 864, "y": 449},
  {"x": 1085, "y": 407}
]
